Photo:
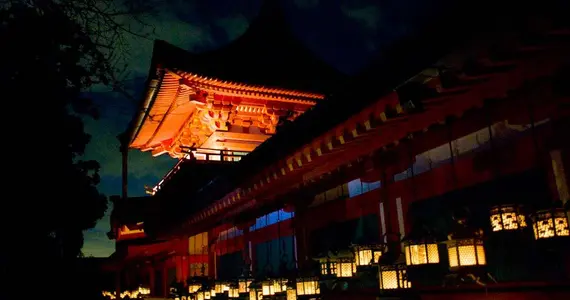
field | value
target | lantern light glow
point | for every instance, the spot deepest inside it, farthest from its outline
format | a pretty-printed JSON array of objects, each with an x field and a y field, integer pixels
[
  {"x": 507, "y": 217},
  {"x": 308, "y": 286},
  {"x": 421, "y": 253},
  {"x": 393, "y": 277},
  {"x": 233, "y": 291},
  {"x": 550, "y": 223},
  {"x": 466, "y": 252},
  {"x": 367, "y": 254}
]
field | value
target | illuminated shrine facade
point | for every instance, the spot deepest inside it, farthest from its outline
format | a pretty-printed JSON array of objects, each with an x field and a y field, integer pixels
[{"x": 471, "y": 150}]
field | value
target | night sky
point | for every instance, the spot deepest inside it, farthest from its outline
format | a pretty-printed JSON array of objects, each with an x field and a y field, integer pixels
[{"x": 345, "y": 33}]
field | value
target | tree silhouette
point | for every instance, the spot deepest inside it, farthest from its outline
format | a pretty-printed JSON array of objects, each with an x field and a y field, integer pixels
[{"x": 50, "y": 57}]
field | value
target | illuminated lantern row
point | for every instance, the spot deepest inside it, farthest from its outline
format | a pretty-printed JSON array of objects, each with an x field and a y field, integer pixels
[
  {"x": 550, "y": 223},
  {"x": 507, "y": 217}
]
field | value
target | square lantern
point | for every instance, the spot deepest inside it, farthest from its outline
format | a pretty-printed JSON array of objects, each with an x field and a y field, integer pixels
[
  {"x": 308, "y": 286},
  {"x": 280, "y": 285},
  {"x": 466, "y": 252},
  {"x": 233, "y": 291},
  {"x": 243, "y": 284},
  {"x": 367, "y": 254},
  {"x": 392, "y": 277},
  {"x": 550, "y": 223},
  {"x": 255, "y": 291},
  {"x": 203, "y": 295},
  {"x": 421, "y": 252},
  {"x": 200, "y": 295},
  {"x": 218, "y": 288},
  {"x": 193, "y": 287},
  {"x": 326, "y": 266},
  {"x": 343, "y": 267},
  {"x": 268, "y": 287},
  {"x": 507, "y": 217},
  {"x": 291, "y": 292}
]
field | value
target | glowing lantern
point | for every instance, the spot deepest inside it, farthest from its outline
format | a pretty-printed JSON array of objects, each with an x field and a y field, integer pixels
[
  {"x": 291, "y": 291},
  {"x": 193, "y": 287},
  {"x": 466, "y": 252},
  {"x": 255, "y": 291},
  {"x": 327, "y": 267},
  {"x": 233, "y": 291},
  {"x": 340, "y": 264},
  {"x": 218, "y": 288},
  {"x": 367, "y": 254},
  {"x": 550, "y": 223},
  {"x": 507, "y": 217},
  {"x": 421, "y": 252},
  {"x": 203, "y": 295},
  {"x": 280, "y": 285},
  {"x": 308, "y": 286},
  {"x": 393, "y": 277},
  {"x": 345, "y": 267},
  {"x": 268, "y": 287},
  {"x": 244, "y": 283}
]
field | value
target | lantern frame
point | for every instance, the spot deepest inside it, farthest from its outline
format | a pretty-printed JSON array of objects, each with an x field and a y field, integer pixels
[
  {"x": 233, "y": 291},
  {"x": 194, "y": 286},
  {"x": 304, "y": 285},
  {"x": 255, "y": 290},
  {"x": 370, "y": 253},
  {"x": 268, "y": 287},
  {"x": 200, "y": 295},
  {"x": 280, "y": 285},
  {"x": 396, "y": 272},
  {"x": 340, "y": 264},
  {"x": 457, "y": 255},
  {"x": 218, "y": 288},
  {"x": 291, "y": 290},
  {"x": 507, "y": 217},
  {"x": 326, "y": 266},
  {"x": 551, "y": 223},
  {"x": 243, "y": 284},
  {"x": 413, "y": 252}
]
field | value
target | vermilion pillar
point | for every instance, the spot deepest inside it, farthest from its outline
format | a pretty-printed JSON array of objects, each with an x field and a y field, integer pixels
[{"x": 302, "y": 238}]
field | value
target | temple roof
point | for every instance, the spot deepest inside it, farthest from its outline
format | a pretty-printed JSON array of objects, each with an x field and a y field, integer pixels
[
  {"x": 266, "y": 71},
  {"x": 267, "y": 54}
]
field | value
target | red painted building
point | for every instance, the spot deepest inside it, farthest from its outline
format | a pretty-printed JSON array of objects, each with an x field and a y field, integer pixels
[{"x": 442, "y": 181}]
